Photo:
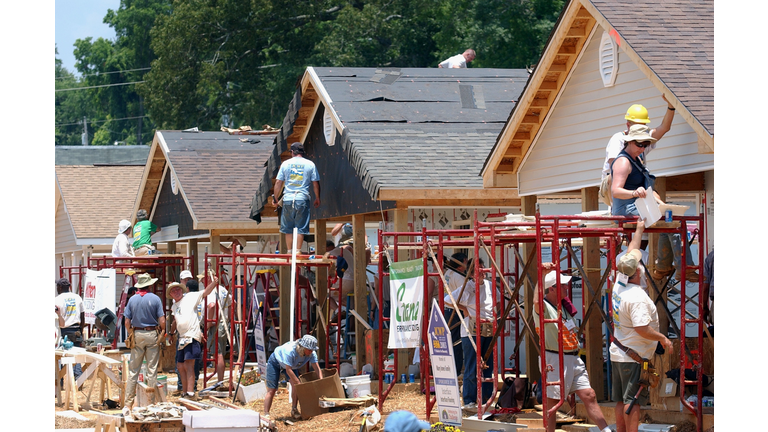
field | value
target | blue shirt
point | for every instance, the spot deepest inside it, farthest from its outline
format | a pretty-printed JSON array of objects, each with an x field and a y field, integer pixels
[
  {"x": 297, "y": 173},
  {"x": 287, "y": 356},
  {"x": 144, "y": 311}
]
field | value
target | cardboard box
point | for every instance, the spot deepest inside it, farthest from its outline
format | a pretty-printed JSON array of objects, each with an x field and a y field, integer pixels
[
  {"x": 668, "y": 388},
  {"x": 672, "y": 403},
  {"x": 249, "y": 393},
  {"x": 310, "y": 389},
  {"x": 221, "y": 421}
]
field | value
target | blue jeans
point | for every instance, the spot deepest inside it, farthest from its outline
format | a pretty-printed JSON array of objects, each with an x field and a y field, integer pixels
[
  {"x": 295, "y": 215},
  {"x": 77, "y": 369},
  {"x": 273, "y": 372},
  {"x": 458, "y": 353},
  {"x": 469, "y": 392}
]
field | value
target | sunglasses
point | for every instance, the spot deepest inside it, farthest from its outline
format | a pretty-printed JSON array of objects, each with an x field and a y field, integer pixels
[{"x": 643, "y": 144}]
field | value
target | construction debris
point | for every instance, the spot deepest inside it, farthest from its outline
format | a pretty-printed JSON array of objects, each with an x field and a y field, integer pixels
[{"x": 157, "y": 412}]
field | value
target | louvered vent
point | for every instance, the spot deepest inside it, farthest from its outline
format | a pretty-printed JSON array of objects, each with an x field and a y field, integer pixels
[
  {"x": 328, "y": 129},
  {"x": 609, "y": 60}
]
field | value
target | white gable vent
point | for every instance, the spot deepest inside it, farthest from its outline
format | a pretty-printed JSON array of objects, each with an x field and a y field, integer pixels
[
  {"x": 328, "y": 129},
  {"x": 609, "y": 60}
]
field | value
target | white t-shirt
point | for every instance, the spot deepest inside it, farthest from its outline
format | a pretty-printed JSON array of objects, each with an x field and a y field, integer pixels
[
  {"x": 615, "y": 146},
  {"x": 121, "y": 247},
  {"x": 185, "y": 314},
  {"x": 456, "y": 61},
  {"x": 468, "y": 300},
  {"x": 70, "y": 307},
  {"x": 632, "y": 308},
  {"x": 223, "y": 299}
]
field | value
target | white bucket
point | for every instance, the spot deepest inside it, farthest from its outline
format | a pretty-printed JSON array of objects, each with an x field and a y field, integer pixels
[{"x": 357, "y": 386}]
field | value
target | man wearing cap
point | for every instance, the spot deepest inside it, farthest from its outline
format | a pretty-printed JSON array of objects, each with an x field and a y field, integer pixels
[
  {"x": 121, "y": 247},
  {"x": 69, "y": 307},
  {"x": 144, "y": 317},
  {"x": 636, "y": 328},
  {"x": 405, "y": 421},
  {"x": 190, "y": 336},
  {"x": 142, "y": 234},
  {"x": 287, "y": 357},
  {"x": 636, "y": 114},
  {"x": 297, "y": 173},
  {"x": 576, "y": 379}
]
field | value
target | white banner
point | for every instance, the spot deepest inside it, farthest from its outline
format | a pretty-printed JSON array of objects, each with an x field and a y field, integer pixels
[
  {"x": 406, "y": 287},
  {"x": 99, "y": 293},
  {"x": 258, "y": 335},
  {"x": 441, "y": 354}
]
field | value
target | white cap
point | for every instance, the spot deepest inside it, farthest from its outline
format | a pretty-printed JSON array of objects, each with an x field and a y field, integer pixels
[
  {"x": 550, "y": 279},
  {"x": 185, "y": 274},
  {"x": 124, "y": 225}
]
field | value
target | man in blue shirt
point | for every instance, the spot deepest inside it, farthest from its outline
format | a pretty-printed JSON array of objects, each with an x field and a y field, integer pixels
[
  {"x": 297, "y": 173},
  {"x": 290, "y": 356},
  {"x": 144, "y": 317}
]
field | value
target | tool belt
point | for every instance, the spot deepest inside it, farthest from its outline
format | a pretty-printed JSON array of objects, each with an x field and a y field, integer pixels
[
  {"x": 648, "y": 374},
  {"x": 486, "y": 328}
]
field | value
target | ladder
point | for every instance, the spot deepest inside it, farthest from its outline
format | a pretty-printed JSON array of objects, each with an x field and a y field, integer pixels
[
  {"x": 271, "y": 293},
  {"x": 130, "y": 280}
]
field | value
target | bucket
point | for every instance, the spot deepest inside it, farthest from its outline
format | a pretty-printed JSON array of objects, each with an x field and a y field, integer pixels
[
  {"x": 162, "y": 381},
  {"x": 357, "y": 386}
]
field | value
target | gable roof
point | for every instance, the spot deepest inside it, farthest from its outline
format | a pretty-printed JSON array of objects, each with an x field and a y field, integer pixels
[
  {"x": 216, "y": 173},
  {"x": 410, "y": 128},
  {"x": 98, "y": 197},
  {"x": 670, "y": 41}
]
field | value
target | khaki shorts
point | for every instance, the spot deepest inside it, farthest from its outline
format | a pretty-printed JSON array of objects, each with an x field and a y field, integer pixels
[
  {"x": 626, "y": 378},
  {"x": 222, "y": 338},
  {"x": 575, "y": 375},
  {"x": 605, "y": 191}
]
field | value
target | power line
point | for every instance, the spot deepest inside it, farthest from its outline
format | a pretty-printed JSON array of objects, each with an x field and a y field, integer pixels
[
  {"x": 100, "y": 121},
  {"x": 107, "y": 73},
  {"x": 100, "y": 86}
]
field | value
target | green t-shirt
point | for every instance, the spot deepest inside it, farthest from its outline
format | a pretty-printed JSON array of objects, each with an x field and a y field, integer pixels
[{"x": 142, "y": 233}]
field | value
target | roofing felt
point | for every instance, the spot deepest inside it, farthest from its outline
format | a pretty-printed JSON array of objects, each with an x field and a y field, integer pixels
[
  {"x": 421, "y": 128},
  {"x": 102, "y": 155},
  {"x": 98, "y": 197},
  {"x": 676, "y": 39},
  {"x": 217, "y": 171}
]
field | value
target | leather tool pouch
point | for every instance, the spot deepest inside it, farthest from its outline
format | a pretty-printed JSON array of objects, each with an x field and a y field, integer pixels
[{"x": 648, "y": 374}]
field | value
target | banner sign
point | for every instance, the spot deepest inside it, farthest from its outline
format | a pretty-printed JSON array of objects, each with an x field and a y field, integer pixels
[
  {"x": 406, "y": 288},
  {"x": 443, "y": 368},
  {"x": 99, "y": 293},
  {"x": 258, "y": 335}
]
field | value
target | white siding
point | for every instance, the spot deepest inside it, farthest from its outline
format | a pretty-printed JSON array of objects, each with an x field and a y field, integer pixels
[
  {"x": 65, "y": 235},
  {"x": 569, "y": 152}
]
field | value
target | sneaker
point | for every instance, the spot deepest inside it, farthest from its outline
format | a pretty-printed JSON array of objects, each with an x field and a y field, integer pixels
[
  {"x": 470, "y": 406},
  {"x": 295, "y": 413}
]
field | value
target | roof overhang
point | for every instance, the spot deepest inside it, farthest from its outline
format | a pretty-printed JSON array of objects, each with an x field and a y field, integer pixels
[{"x": 567, "y": 41}]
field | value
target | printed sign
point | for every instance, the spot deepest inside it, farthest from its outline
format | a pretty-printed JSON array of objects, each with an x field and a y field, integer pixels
[
  {"x": 443, "y": 368},
  {"x": 99, "y": 293},
  {"x": 406, "y": 287},
  {"x": 258, "y": 334}
]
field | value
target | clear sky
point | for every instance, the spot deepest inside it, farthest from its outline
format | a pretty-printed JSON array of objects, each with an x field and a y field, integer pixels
[{"x": 79, "y": 19}]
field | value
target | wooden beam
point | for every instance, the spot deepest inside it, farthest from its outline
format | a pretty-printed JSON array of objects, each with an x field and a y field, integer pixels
[
  {"x": 446, "y": 194},
  {"x": 361, "y": 290},
  {"x": 401, "y": 225},
  {"x": 321, "y": 280},
  {"x": 693, "y": 182},
  {"x": 593, "y": 332},
  {"x": 500, "y": 180},
  {"x": 405, "y": 204},
  {"x": 528, "y": 207},
  {"x": 660, "y": 187}
]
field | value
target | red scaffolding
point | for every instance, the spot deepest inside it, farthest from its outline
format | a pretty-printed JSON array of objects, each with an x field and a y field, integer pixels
[{"x": 552, "y": 230}]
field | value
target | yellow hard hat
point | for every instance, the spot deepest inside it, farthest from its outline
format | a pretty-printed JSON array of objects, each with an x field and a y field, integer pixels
[{"x": 638, "y": 114}]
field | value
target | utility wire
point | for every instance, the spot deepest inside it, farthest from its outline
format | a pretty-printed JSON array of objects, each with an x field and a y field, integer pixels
[
  {"x": 100, "y": 121},
  {"x": 107, "y": 73},
  {"x": 99, "y": 86}
]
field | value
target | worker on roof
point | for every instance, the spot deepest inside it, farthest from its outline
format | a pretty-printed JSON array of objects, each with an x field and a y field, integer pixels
[
  {"x": 296, "y": 173},
  {"x": 142, "y": 234},
  {"x": 576, "y": 379},
  {"x": 459, "y": 60}
]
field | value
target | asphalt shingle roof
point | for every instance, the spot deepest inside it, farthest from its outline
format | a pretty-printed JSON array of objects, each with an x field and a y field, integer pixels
[
  {"x": 102, "y": 155},
  {"x": 421, "y": 128},
  {"x": 98, "y": 197},
  {"x": 217, "y": 172},
  {"x": 676, "y": 39}
]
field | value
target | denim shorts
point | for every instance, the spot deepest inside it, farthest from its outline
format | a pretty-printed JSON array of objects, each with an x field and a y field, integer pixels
[
  {"x": 295, "y": 215},
  {"x": 273, "y": 372},
  {"x": 192, "y": 351}
]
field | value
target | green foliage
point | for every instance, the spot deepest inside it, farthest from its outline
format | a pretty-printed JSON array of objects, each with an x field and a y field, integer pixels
[{"x": 237, "y": 62}]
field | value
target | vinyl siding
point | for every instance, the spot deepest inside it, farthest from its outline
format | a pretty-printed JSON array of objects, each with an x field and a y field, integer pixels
[
  {"x": 65, "y": 235},
  {"x": 569, "y": 152}
]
